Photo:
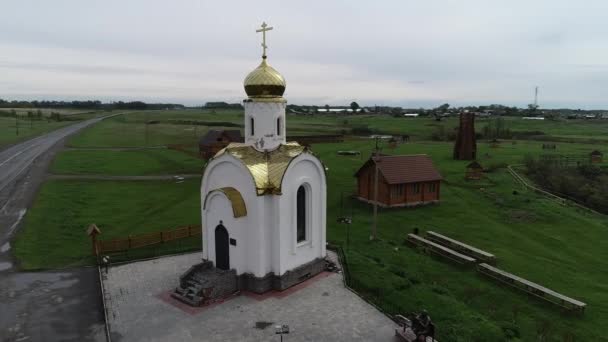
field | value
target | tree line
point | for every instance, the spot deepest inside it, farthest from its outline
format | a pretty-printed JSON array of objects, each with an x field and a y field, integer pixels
[{"x": 88, "y": 104}]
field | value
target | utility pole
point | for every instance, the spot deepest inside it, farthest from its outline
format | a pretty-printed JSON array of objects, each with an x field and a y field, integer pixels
[
  {"x": 376, "y": 159},
  {"x": 17, "y": 123}
]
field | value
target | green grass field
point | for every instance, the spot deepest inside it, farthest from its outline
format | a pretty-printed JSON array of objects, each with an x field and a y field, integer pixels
[
  {"x": 28, "y": 129},
  {"x": 559, "y": 247},
  {"x": 126, "y": 163},
  {"x": 54, "y": 231}
]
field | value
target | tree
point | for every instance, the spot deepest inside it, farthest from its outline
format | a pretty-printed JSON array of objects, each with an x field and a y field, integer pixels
[
  {"x": 443, "y": 108},
  {"x": 327, "y": 108},
  {"x": 354, "y": 106}
]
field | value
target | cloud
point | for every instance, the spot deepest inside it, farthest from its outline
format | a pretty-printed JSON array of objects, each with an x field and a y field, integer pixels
[{"x": 397, "y": 52}]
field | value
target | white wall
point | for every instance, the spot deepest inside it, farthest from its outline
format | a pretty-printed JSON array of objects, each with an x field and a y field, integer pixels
[
  {"x": 265, "y": 115},
  {"x": 306, "y": 168},
  {"x": 227, "y": 171}
]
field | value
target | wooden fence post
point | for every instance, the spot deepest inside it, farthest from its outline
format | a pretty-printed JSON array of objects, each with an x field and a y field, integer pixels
[
  {"x": 162, "y": 239},
  {"x": 93, "y": 231}
]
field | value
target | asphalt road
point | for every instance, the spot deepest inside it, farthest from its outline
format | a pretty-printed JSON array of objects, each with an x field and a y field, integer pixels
[{"x": 60, "y": 305}]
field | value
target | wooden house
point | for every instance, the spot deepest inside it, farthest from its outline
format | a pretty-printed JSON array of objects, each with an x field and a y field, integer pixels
[
  {"x": 406, "y": 180},
  {"x": 474, "y": 171},
  {"x": 216, "y": 140},
  {"x": 596, "y": 157}
]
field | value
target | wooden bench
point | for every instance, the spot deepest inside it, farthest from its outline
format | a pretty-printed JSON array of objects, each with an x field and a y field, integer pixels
[
  {"x": 439, "y": 249},
  {"x": 461, "y": 247},
  {"x": 532, "y": 288}
]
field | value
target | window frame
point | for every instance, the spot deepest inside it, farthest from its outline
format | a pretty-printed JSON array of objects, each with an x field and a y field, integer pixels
[
  {"x": 416, "y": 188},
  {"x": 305, "y": 215}
]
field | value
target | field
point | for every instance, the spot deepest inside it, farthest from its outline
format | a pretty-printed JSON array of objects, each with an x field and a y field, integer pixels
[
  {"x": 125, "y": 162},
  {"x": 557, "y": 246},
  {"x": 55, "y": 228},
  {"x": 27, "y": 129}
]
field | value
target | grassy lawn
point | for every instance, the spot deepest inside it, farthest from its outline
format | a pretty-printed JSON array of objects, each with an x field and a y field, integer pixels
[
  {"x": 559, "y": 247},
  {"x": 125, "y": 163},
  {"x": 54, "y": 230},
  {"x": 533, "y": 237}
]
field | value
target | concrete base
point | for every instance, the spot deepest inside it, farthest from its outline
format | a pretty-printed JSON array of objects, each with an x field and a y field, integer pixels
[{"x": 248, "y": 282}]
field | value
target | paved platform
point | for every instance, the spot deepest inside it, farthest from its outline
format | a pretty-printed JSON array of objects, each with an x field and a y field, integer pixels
[{"x": 320, "y": 309}]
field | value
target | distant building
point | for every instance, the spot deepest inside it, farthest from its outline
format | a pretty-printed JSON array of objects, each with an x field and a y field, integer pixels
[
  {"x": 406, "y": 180},
  {"x": 474, "y": 171},
  {"x": 533, "y": 118},
  {"x": 411, "y": 115},
  {"x": 216, "y": 140},
  {"x": 596, "y": 157}
]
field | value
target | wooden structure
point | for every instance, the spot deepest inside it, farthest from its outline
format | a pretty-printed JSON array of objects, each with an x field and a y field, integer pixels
[
  {"x": 461, "y": 247},
  {"x": 441, "y": 250},
  {"x": 407, "y": 180},
  {"x": 474, "y": 171},
  {"x": 143, "y": 240},
  {"x": 532, "y": 288},
  {"x": 465, "y": 147},
  {"x": 92, "y": 232},
  {"x": 596, "y": 157},
  {"x": 216, "y": 140}
]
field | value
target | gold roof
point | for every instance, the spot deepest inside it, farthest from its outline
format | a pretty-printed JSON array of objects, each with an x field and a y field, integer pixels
[
  {"x": 234, "y": 196},
  {"x": 264, "y": 81},
  {"x": 266, "y": 168}
]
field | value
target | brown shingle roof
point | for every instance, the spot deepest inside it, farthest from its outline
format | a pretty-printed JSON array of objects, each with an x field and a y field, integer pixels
[
  {"x": 405, "y": 169},
  {"x": 213, "y": 135},
  {"x": 596, "y": 153}
]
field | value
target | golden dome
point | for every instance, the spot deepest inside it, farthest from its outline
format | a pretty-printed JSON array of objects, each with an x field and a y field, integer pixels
[{"x": 264, "y": 81}]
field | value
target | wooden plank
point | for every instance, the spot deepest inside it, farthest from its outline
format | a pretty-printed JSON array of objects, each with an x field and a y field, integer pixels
[
  {"x": 530, "y": 284},
  {"x": 463, "y": 247},
  {"x": 439, "y": 248}
]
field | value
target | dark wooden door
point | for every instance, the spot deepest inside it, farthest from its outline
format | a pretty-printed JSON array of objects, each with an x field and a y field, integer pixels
[{"x": 222, "y": 254}]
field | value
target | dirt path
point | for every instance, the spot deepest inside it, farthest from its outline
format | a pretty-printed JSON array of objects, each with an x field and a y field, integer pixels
[
  {"x": 127, "y": 178},
  {"x": 125, "y": 148}
]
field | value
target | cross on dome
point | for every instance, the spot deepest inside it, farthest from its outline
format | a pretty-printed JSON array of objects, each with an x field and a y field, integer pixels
[{"x": 264, "y": 28}]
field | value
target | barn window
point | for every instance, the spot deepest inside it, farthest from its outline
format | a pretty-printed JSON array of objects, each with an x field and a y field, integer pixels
[
  {"x": 278, "y": 126},
  {"x": 432, "y": 187},
  {"x": 251, "y": 126},
  {"x": 416, "y": 188},
  {"x": 397, "y": 191},
  {"x": 301, "y": 213}
]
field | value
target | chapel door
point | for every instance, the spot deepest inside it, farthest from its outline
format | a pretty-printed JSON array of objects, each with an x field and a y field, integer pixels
[{"x": 222, "y": 255}]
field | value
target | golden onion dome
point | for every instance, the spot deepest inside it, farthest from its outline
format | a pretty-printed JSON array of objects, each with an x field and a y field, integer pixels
[{"x": 264, "y": 81}]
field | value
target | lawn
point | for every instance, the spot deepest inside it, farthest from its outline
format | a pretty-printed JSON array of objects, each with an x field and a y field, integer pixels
[
  {"x": 538, "y": 239},
  {"x": 126, "y": 163},
  {"x": 54, "y": 229}
]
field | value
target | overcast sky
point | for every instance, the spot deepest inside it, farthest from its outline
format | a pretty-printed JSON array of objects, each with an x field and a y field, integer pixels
[{"x": 407, "y": 53}]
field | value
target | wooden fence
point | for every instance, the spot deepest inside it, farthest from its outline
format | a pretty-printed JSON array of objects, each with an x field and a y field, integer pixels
[{"x": 143, "y": 240}]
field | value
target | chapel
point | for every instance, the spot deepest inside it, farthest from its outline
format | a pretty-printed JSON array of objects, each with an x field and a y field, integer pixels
[{"x": 263, "y": 201}]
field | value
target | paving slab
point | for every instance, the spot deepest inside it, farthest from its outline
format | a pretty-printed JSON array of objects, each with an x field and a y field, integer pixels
[{"x": 321, "y": 309}]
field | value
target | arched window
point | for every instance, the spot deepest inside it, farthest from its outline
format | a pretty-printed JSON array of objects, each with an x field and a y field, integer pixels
[
  {"x": 278, "y": 126},
  {"x": 301, "y": 213},
  {"x": 251, "y": 126}
]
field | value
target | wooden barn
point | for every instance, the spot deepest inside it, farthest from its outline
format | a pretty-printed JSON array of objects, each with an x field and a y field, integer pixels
[
  {"x": 216, "y": 140},
  {"x": 407, "y": 180},
  {"x": 596, "y": 156},
  {"x": 474, "y": 171}
]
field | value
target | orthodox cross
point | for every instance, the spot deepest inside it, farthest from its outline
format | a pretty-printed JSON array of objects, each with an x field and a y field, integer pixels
[{"x": 263, "y": 30}]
